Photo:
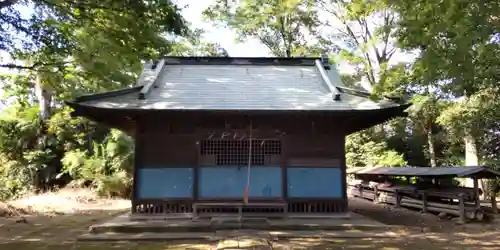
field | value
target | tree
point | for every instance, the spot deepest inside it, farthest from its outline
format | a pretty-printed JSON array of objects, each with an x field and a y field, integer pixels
[
  {"x": 283, "y": 26},
  {"x": 52, "y": 27},
  {"x": 363, "y": 151},
  {"x": 458, "y": 48},
  {"x": 193, "y": 45},
  {"x": 424, "y": 111},
  {"x": 363, "y": 31},
  {"x": 61, "y": 41}
]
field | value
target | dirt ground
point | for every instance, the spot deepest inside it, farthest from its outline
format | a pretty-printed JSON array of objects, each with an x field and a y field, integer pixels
[
  {"x": 391, "y": 215},
  {"x": 58, "y": 231}
]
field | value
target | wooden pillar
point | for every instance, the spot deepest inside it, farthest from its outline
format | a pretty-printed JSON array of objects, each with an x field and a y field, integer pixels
[
  {"x": 494, "y": 207},
  {"x": 343, "y": 170},
  {"x": 398, "y": 198},
  {"x": 424, "y": 202},
  {"x": 476, "y": 192},
  {"x": 138, "y": 158},
  {"x": 196, "y": 169},
  {"x": 461, "y": 208},
  {"x": 284, "y": 167},
  {"x": 375, "y": 194}
]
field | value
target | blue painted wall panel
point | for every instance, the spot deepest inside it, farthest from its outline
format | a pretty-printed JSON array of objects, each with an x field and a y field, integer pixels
[
  {"x": 230, "y": 182},
  {"x": 314, "y": 183},
  {"x": 165, "y": 183}
]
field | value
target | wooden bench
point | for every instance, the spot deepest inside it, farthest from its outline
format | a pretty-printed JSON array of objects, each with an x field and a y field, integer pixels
[{"x": 240, "y": 206}]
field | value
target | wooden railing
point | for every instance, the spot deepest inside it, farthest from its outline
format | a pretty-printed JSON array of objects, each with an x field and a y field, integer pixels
[{"x": 459, "y": 204}]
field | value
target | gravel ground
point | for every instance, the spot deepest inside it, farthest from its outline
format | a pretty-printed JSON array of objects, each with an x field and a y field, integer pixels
[{"x": 391, "y": 215}]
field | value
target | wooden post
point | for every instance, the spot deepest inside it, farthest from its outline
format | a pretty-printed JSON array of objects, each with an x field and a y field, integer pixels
[
  {"x": 240, "y": 213},
  {"x": 375, "y": 194},
  {"x": 398, "y": 199},
  {"x": 195, "y": 210},
  {"x": 476, "y": 193},
  {"x": 461, "y": 207},
  {"x": 494, "y": 207},
  {"x": 138, "y": 163},
  {"x": 424, "y": 202}
]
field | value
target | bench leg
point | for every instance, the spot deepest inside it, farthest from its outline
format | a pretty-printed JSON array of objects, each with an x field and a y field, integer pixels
[
  {"x": 240, "y": 213},
  {"x": 195, "y": 211}
]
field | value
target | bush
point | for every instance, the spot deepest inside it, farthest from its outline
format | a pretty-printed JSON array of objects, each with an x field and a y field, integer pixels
[{"x": 107, "y": 167}]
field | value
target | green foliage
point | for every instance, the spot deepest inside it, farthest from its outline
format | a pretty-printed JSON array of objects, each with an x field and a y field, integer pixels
[
  {"x": 362, "y": 150},
  {"x": 107, "y": 167},
  {"x": 193, "y": 45},
  {"x": 15, "y": 179},
  {"x": 284, "y": 26},
  {"x": 55, "y": 28},
  {"x": 362, "y": 33}
]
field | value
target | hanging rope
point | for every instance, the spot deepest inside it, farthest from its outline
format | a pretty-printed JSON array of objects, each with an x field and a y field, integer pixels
[{"x": 245, "y": 196}]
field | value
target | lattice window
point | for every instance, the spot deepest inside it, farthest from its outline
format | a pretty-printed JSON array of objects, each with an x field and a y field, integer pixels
[{"x": 236, "y": 152}]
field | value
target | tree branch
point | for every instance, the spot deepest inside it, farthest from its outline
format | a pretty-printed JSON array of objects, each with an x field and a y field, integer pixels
[
  {"x": 7, "y": 3},
  {"x": 284, "y": 36},
  {"x": 84, "y": 5},
  {"x": 13, "y": 23},
  {"x": 34, "y": 66},
  {"x": 388, "y": 21}
]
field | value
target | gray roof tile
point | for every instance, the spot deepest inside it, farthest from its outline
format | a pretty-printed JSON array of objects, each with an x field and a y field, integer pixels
[{"x": 239, "y": 87}]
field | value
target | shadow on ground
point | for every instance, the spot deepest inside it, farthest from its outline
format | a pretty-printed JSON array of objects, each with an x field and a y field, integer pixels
[
  {"x": 59, "y": 232},
  {"x": 427, "y": 242}
]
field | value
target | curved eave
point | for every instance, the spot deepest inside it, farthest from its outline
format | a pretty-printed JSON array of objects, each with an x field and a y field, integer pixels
[
  {"x": 118, "y": 120},
  {"x": 351, "y": 120},
  {"x": 370, "y": 119},
  {"x": 83, "y": 108}
]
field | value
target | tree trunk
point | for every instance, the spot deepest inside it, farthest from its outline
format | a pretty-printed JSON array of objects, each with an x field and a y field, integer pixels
[
  {"x": 472, "y": 159},
  {"x": 432, "y": 148},
  {"x": 44, "y": 96}
]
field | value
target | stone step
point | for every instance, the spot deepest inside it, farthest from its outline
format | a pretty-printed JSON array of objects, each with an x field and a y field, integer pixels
[
  {"x": 228, "y": 235},
  {"x": 215, "y": 225}
]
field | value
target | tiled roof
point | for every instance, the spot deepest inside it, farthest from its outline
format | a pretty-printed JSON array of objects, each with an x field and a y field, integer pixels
[
  {"x": 238, "y": 85},
  {"x": 425, "y": 171}
]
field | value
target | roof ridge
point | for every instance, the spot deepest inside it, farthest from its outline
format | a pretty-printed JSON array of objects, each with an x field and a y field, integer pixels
[
  {"x": 266, "y": 61},
  {"x": 158, "y": 68},
  {"x": 324, "y": 76}
]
